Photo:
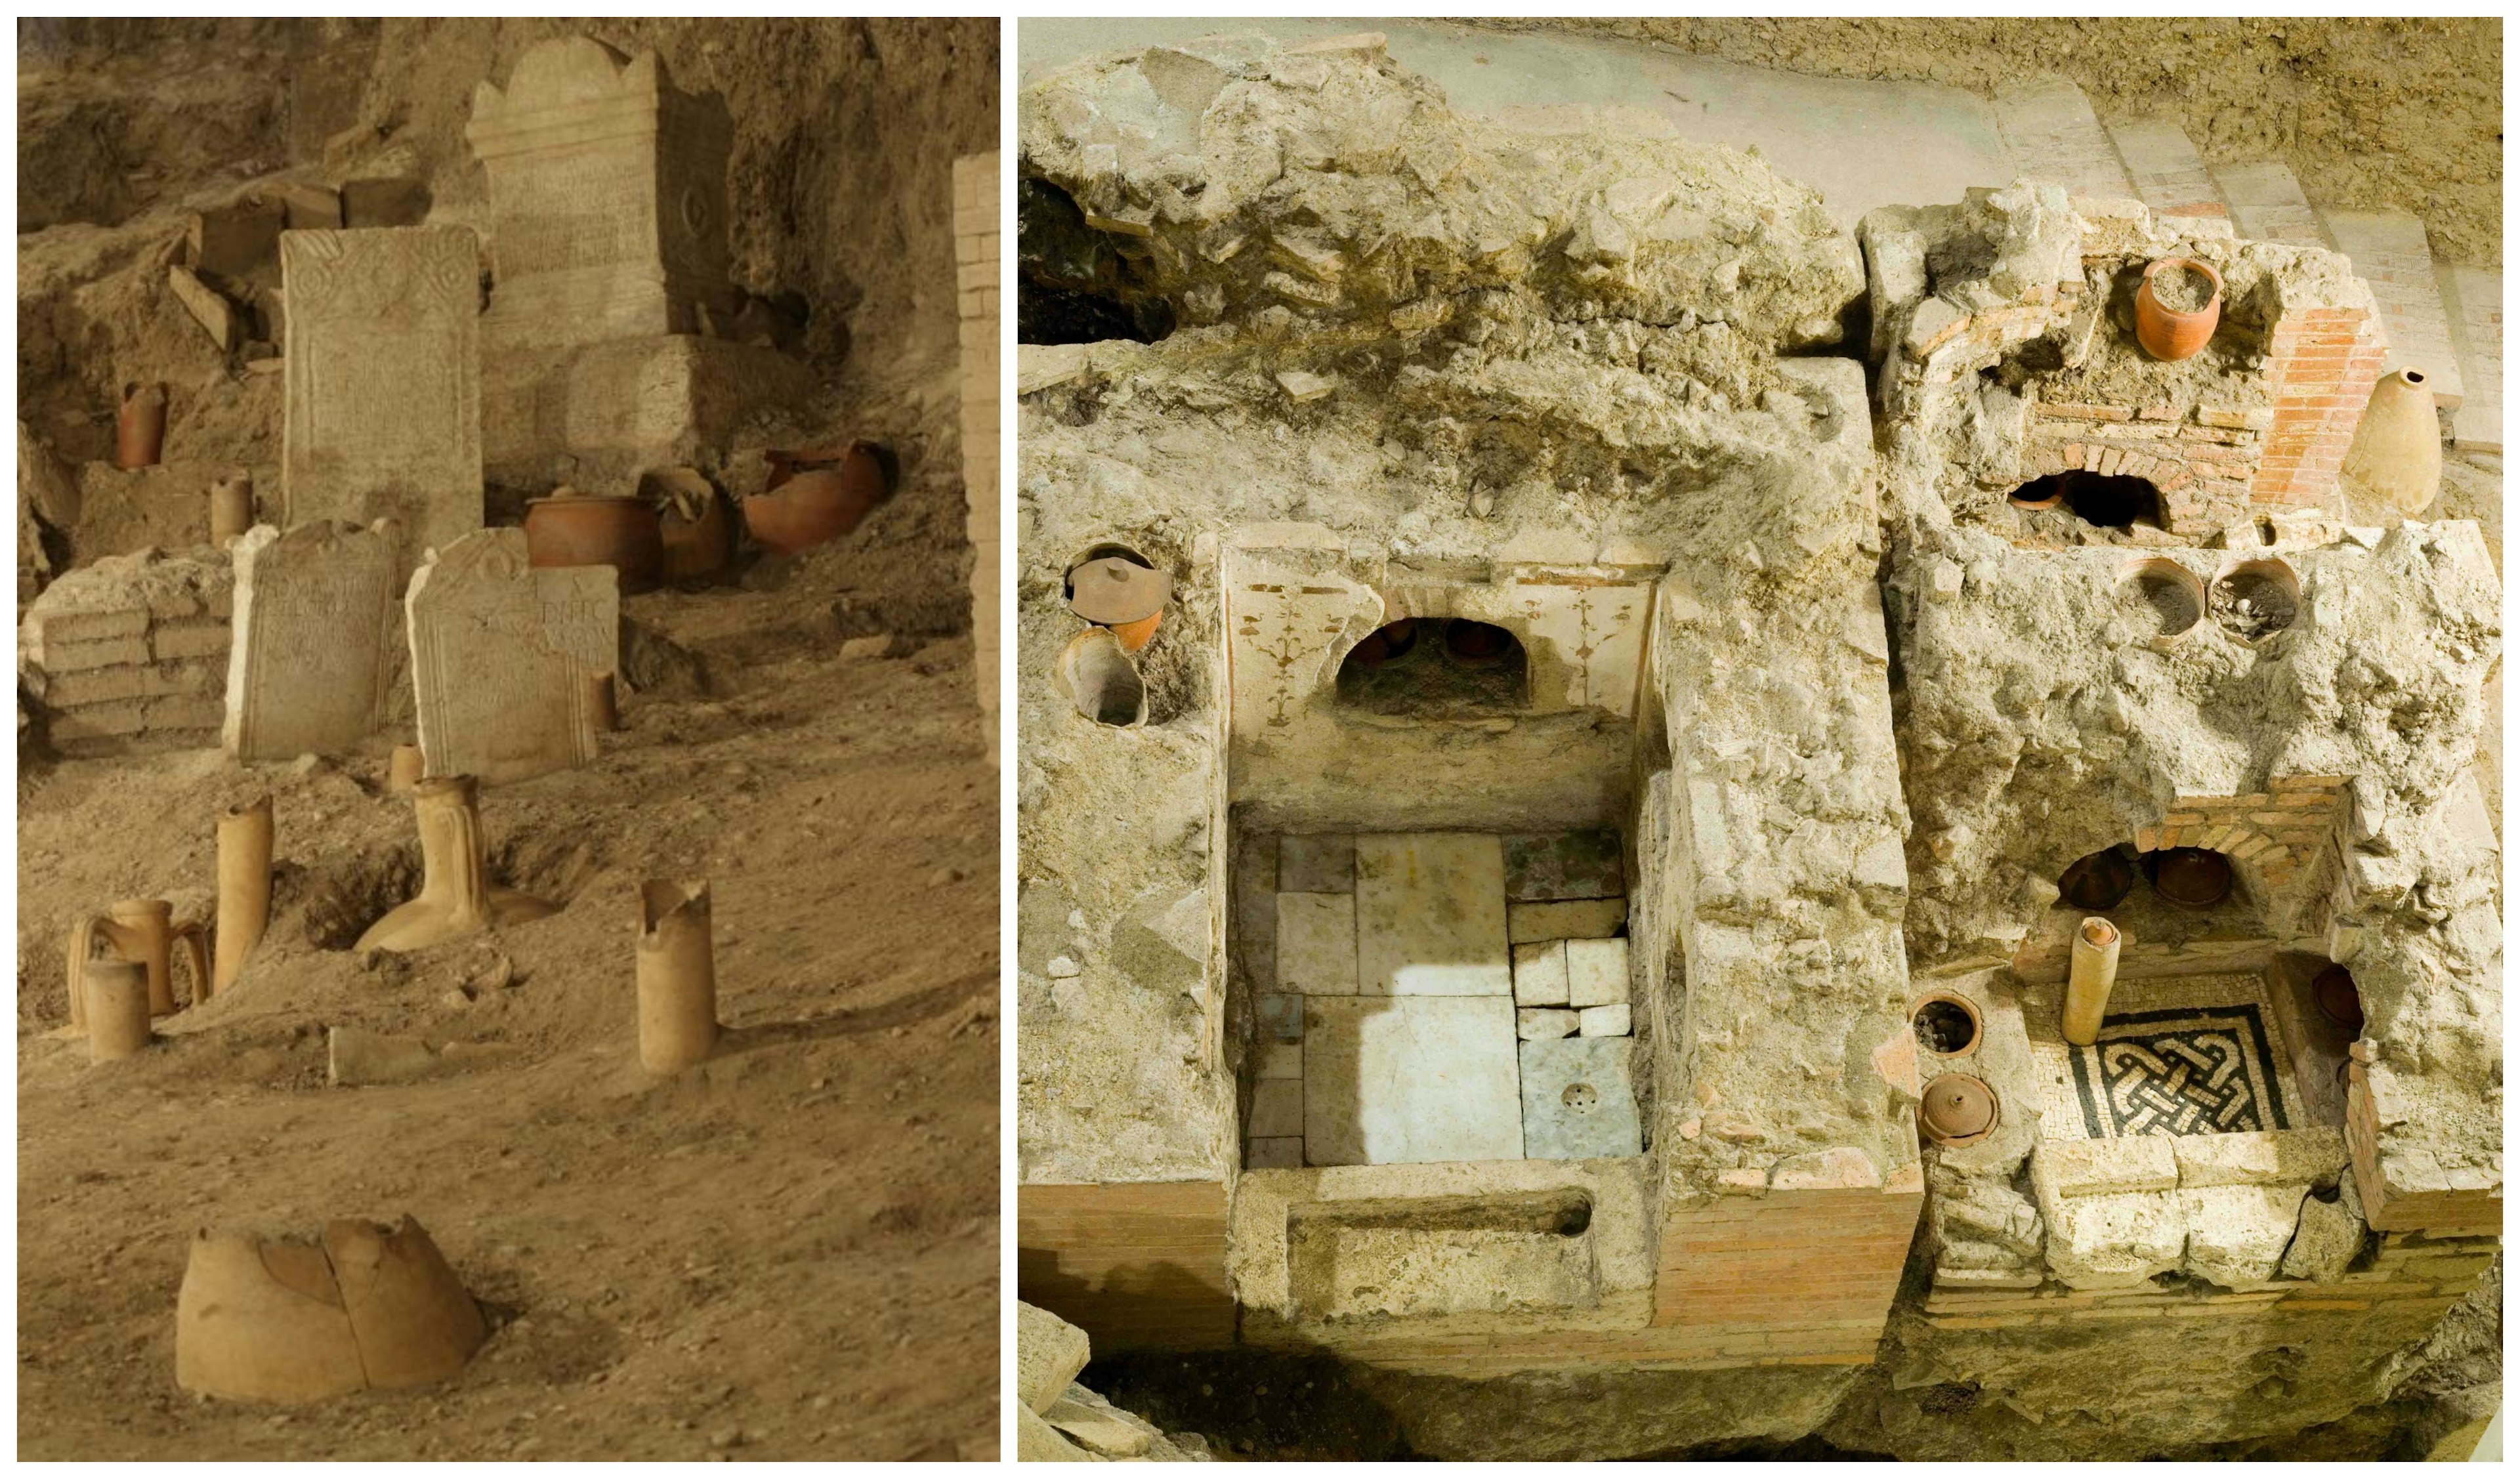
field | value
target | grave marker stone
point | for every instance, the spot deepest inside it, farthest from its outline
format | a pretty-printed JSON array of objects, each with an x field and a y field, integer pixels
[
  {"x": 500, "y": 655},
  {"x": 313, "y": 665}
]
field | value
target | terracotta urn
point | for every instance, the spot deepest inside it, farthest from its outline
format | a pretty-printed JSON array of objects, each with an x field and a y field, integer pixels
[
  {"x": 698, "y": 531},
  {"x": 1384, "y": 643},
  {"x": 2097, "y": 883},
  {"x": 144, "y": 932},
  {"x": 292, "y": 1320},
  {"x": 2396, "y": 452},
  {"x": 1117, "y": 592},
  {"x": 2176, "y": 333},
  {"x": 2195, "y": 876},
  {"x": 573, "y": 528},
  {"x": 816, "y": 496},
  {"x": 139, "y": 426}
]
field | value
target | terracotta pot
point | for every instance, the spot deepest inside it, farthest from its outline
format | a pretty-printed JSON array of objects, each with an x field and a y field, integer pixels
[
  {"x": 287, "y": 1319},
  {"x": 1958, "y": 1110},
  {"x": 231, "y": 508},
  {"x": 139, "y": 426},
  {"x": 2167, "y": 333},
  {"x": 2096, "y": 883},
  {"x": 2195, "y": 876},
  {"x": 1114, "y": 589},
  {"x": 815, "y": 497},
  {"x": 2396, "y": 453},
  {"x": 117, "y": 993},
  {"x": 697, "y": 530},
  {"x": 1135, "y": 635},
  {"x": 570, "y": 528},
  {"x": 1476, "y": 644},
  {"x": 2338, "y": 999},
  {"x": 1385, "y": 644}
]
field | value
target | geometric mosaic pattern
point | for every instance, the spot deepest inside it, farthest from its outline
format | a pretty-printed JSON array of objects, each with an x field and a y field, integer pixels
[{"x": 2197, "y": 1070}]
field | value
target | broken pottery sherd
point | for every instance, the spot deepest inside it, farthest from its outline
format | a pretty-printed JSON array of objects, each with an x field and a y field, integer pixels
[{"x": 285, "y": 1320}]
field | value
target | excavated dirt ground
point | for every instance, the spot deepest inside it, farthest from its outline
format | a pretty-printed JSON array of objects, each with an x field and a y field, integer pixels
[{"x": 790, "y": 1252}]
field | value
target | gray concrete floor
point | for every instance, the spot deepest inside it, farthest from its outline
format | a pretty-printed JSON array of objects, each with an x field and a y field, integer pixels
[{"x": 1860, "y": 144}]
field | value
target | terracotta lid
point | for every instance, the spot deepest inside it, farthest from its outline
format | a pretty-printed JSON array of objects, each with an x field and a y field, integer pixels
[
  {"x": 1111, "y": 591},
  {"x": 2195, "y": 876},
  {"x": 2100, "y": 882},
  {"x": 1958, "y": 1109}
]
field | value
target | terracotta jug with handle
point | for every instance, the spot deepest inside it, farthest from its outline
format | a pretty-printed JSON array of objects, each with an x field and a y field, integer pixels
[{"x": 144, "y": 932}]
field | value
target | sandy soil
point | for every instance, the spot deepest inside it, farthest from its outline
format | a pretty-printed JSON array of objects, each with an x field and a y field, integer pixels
[{"x": 790, "y": 1252}]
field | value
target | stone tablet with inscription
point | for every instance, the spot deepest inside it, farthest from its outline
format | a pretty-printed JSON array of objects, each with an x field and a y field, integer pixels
[
  {"x": 608, "y": 199},
  {"x": 313, "y": 665},
  {"x": 500, "y": 655},
  {"x": 383, "y": 381}
]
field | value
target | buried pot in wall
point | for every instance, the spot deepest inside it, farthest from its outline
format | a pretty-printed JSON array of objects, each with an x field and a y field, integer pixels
[
  {"x": 1098, "y": 675},
  {"x": 2176, "y": 307}
]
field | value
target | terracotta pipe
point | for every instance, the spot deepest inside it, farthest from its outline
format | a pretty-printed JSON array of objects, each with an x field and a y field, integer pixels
[
  {"x": 231, "y": 508},
  {"x": 117, "y": 1009},
  {"x": 405, "y": 769},
  {"x": 245, "y": 888},
  {"x": 603, "y": 701},
  {"x": 2087, "y": 985},
  {"x": 677, "y": 976},
  {"x": 456, "y": 896}
]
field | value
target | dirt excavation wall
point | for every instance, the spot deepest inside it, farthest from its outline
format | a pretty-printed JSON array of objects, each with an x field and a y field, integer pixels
[{"x": 1555, "y": 621}]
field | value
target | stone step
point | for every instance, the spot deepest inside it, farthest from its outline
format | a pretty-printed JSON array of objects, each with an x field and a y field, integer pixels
[
  {"x": 2056, "y": 137},
  {"x": 2268, "y": 204},
  {"x": 2473, "y": 299},
  {"x": 2390, "y": 252},
  {"x": 2169, "y": 176}
]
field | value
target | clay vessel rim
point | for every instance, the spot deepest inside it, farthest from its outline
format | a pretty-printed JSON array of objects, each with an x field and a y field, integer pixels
[
  {"x": 141, "y": 905},
  {"x": 2098, "y": 931},
  {"x": 2190, "y": 264}
]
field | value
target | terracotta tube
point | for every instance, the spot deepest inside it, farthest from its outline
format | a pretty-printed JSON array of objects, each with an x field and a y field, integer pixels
[
  {"x": 603, "y": 701},
  {"x": 245, "y": 888},
  {"x": 231, "y": 508},
  {"x": 405, "y": 770},
  {"x": 117, "y": 1009},
  {"x": 2087, "y": 985},
  {"x": 677, "y": 977}
]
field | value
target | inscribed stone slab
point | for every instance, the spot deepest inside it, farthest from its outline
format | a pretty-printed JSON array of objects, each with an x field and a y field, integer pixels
[
  {"x": 1430, "y": 915},
  {"x": 1578, "y": 1100},
  {"x": 382, "y": 380},
  {"x": 1409, "y": 1080},
  {"x": 608, "y": 197},
  {"x": 1317, "y": 944},
  {"x": 500, "y": 655},
  {"x": 313, "y": 664}
]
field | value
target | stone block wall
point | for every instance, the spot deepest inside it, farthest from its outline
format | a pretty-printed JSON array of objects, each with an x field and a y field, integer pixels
[
  {"x": 130, "y": 655},
  {"x": 2320, "y": 366},
  {"x": 975, "y": 272}
]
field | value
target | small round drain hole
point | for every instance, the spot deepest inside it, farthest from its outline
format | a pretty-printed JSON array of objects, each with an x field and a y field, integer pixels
[{"x": 1583, "y": 1099}]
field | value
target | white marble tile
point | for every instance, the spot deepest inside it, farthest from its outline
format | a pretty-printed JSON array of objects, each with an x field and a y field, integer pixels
[
  {"x": 1317, "y": 863},
  {"x": 1317, "y": 944},
  {"x": 1280, "y": 1061},
  {"x": 1566, "y": 920},
  {"x": 1596, "y": 972},
  {"x": 1391, "y": 1081},
  {"x": 1606, "y": 1022},
  {"x": 1277, "y": 1108},
  {"x": 1430, "y": 915},
  {"x": 1578, "y": 1100},
  {"x": 1540, "y": 974},
  {"x": 1282, "y": 1016},
  {"x": 1274, "y": 1152},
  {"x": 1538, "y": 1024}
]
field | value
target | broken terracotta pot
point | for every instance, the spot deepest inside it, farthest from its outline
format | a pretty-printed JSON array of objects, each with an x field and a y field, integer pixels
[
  {"x": 455, "y": 898},
  {"x": 142, "y": 931},
  {"x": 2170, "y": 332},
  {"x": 1135, "y": 635},
  {"x": 691, "y": 518},
  {"x": 816, "y": 496},
  {"x": 283, "y": 1320},
  {"x": 117, "y": 1009},
  {"x": 677, "y": 975},
  {"x": 140, "y": 425},
  {"x": 2195, "y": 876},
  {"x": 1958, "y": 1110},
  {"x": 2397, "y": 451},
  {"x": 245, "y": 888},
  {"x": 573, "y": 528},
  {"x": 1098, "y": 676},
  {"x": 1115, "y": 591},
  {"x": 231, "y": 508}
]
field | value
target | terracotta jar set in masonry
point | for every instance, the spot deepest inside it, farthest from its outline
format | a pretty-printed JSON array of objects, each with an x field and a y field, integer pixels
[
  {"x": 817, "y": 495},
  {"x": 1121, "y": 594},
  {"x": 2177, "y": 333}
]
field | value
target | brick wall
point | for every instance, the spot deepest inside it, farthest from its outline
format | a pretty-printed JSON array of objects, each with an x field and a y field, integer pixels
[
  {"x": 1782, "y": 1275},
  {"x": 130, "y": 655},
  {"x": 2278, "y": 830},
  {"x": 2202, "y": 460},
  {"x": 2320, "y": 366},
  {"x": 975, "y": 257}
]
